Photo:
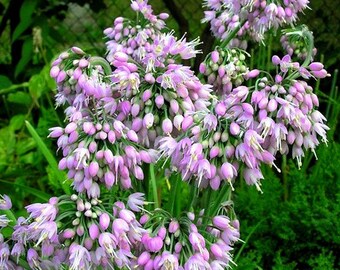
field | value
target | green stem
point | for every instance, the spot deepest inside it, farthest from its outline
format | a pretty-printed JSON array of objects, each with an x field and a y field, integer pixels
[
  {"x": 154, "y": 185},
  {"x": 232, "y": 35},
  {"x": 173, "y": 195},
  {"x": 96, "y": 60},
  {"x": 308, "y": 34},
  {"x": 13, "y": 87}
]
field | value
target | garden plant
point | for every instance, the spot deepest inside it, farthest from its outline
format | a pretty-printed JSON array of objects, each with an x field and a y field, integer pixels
[{"x": 151, "y": 152}]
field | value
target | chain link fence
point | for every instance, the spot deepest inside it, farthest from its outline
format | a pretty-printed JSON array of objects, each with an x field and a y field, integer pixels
[{"x": 81, "y": 26}]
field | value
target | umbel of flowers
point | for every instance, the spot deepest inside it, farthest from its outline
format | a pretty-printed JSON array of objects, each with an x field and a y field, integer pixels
[{"x": 142, "y": 131}]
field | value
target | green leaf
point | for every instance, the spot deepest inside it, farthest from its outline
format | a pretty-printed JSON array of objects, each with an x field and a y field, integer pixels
[
  {"x": 50, "y": 159},
  {"x": 38, "y": 193},
  {"x": 17, "y": 122},
  {"x": 21, "y": 27},
  {"x": 26, "y": 11},
  {"x": 5, "y": 82},
  {"x": 26, "y": 56},
  {"x": 25, "y": 145},
  {"x": 20, "y": 98}
]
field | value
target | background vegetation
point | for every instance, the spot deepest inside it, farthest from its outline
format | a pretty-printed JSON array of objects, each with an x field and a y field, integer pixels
[{"x": 293, "y": 225}]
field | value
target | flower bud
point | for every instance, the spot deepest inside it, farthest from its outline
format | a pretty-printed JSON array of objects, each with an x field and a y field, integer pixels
[
  {"x": 220, "y": 109},
  {"x": 234, "y": 129},
  {"x": 104, "y": 221},
  {"x": 215, "y": 56},
  {"x": 167, "y": 126}
]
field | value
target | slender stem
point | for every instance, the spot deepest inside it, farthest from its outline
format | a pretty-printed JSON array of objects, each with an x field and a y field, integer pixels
[
  {"x": 308, "y": 34},
  {"x": 96, "y": 60},
  {"x": 174, "y": 192},
  {"x": 154, "y": 185},
  {"x": 13, "y": 87},
  {"x": 232, "y": 35},
  {"x": 194, "y": 190}
]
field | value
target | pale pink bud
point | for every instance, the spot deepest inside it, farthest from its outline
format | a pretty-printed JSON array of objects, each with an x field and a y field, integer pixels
[
  {"x": 132, "y": 135},
  {"x": 174, "y": 106},
  {"x": 187, "y": 122},
  {"x": 220, "y": 109},
  {"x": 221, "y": 222},
  {"x": 234, "y": 129},
  {"x": 135, "y": 109},
  {"x": 252, "y": 74},
  {"x": 149, "y": 78},
  {"x": 173, "y": 226},
  {"x": 93, "y": 168},
  {"x": 214, "y": 152},
  {"x": 318, "y": 74},
  {"x": 77, "y": 50},
  {"x": 69, "y": 233},
  {"x": 276, "y": 60},
  {"x": 83, "y": 63},
  {"x": 162, "y": 233},
  {"x": 178, "y": 119},
  {"x": 70, "y": 127},
  {"x": 120, "y": 56},
  {"x": 221, "y": 71},
  {"x": 111, "y": 136},
  {"x": 61, "y": 76},
  {"x": 54, "y": 71},
  {"x": 216, "y": 250},
  {"x": 215, "y": 56},
  {"x": 316, "y": 66},
  {"x": 109, "y": 178},
  {"x": 202, "y": 68},
  {"x": 159, "y": 100},
  {"x": 272, "y": 105},
  {"x": 108, "y": 156},
  {"x": 143, "y": 258},
  {"x": 148, "y": 120},
  {"x": 167, "y": 126},
  {"x": 94, "y": 231},
  {"x": 146, "y": 95},
  {"x": 228, "y": 171},
  {"x": 163, "y": 16}
]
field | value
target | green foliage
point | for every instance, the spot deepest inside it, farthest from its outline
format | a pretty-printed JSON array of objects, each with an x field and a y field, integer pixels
[
  {"x": 28, "y": 168},
  {"x": 296, "y": 230}
]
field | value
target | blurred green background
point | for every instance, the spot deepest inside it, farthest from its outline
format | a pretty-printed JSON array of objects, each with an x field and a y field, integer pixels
[{"x": 295, "y": 224}]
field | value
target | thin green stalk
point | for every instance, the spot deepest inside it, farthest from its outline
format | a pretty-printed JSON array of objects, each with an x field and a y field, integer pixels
[
  {"x": 332, "y": 93},
  {"x": 13, "y": 87},
  {"x": 231, "y": 35},
  {"x": 247, "y": 239},
  {"x": 154, "y": 185},
  {"x": 174, "y": 192}
]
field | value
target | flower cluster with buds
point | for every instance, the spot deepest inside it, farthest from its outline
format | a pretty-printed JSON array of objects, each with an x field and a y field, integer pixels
[
  {"x": 249, "y": 17},
  {"x": 172, "y": 243},
  {"x": 140, "y": 114},
  {"x": 225, "y": 68}
]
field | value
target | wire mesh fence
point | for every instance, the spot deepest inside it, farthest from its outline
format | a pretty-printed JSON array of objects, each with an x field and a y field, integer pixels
[{"x": 82, "y": 26}]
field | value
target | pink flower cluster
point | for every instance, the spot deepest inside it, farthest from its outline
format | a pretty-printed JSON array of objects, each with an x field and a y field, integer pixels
[
  {"x": 226, "y": 68},
  {"x": 249, "y": 127},
  {"x": 100, "y": 150},
  {"x": 88, "y": 236},
  {"x": 252, "y": 17},
  {"x": 179, "y": 243}
]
